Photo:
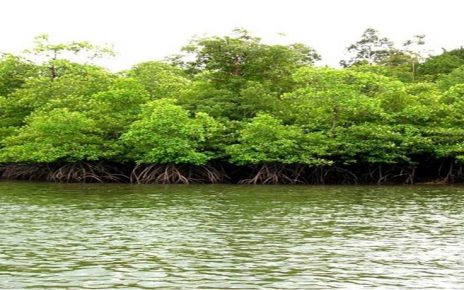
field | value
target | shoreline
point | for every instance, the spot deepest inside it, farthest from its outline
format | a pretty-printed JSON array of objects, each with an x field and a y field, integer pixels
[{"x": 440, "y": 172}]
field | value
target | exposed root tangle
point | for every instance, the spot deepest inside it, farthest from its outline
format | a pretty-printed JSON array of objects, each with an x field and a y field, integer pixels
[{"x": 85, "y": 172}]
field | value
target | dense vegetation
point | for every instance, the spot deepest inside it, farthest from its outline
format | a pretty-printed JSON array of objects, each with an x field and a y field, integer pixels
[{"x": 233, "y": 109}]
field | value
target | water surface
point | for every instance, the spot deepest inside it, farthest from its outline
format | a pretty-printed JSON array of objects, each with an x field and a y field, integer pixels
[{"x": 244, "y": 237}]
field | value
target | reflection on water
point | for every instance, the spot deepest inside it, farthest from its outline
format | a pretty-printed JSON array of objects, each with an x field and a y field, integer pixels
[{"x": 126, "y": 236}]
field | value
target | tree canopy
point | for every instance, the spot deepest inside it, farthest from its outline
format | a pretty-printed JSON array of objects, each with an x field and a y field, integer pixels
[{"x": 237, "y": 101}]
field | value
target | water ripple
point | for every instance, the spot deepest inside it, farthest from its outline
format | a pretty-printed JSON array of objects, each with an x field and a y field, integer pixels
[{"x": 242, "y": 237}]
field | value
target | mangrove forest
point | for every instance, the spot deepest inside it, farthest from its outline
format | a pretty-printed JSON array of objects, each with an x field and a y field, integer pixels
[{"x": 234, "y": 109}]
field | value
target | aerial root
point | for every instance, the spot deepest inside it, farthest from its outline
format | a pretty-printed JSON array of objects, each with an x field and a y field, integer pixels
[
  {"x": 176, "y": 174},
  {"x": 163, "y": 174},
  {"x": 276, "y": 174},
  {"x": 448, "y": 171},
  {"x": 24, "y": 171},
  {"x": 86, "y": 172}
]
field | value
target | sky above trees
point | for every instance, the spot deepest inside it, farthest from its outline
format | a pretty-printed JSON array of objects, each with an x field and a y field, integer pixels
[{"x": 143, "y": 29}]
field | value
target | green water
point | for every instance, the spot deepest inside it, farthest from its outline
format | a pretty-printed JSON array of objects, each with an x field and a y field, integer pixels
[{"x": 245, "y": 237}]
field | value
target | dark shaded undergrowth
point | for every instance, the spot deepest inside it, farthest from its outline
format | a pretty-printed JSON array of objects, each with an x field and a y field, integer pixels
[{"x": 434, "y": 172}]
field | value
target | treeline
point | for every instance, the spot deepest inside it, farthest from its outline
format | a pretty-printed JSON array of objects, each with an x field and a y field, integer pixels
[{"x": 233, "y": 109}]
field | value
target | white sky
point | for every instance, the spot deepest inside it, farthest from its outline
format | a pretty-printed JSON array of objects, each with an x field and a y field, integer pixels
[{"x": 146, "y": 30}]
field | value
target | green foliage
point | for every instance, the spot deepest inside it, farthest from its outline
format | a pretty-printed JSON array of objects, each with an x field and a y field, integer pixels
[
  {"x": 237, "y": 100},
  {"x": 327, "y": 98},
  {"x": 117, "y": 107},
  {"x": 55, "y": 57},
  {"x": 399, "y": 71},
  {"x": 58, "y": 135},
  {"x": 447, "y": 142},
  {"x": 5, "y": 128},
  {"x": 219, "y": 102},
  {"x": 165, "y": 134},
  {"x": 453, "y": 78},
  {"x": 436, "y": 66},
  {"x": 447, "y": 133},
  {"x": 161, "y": 80},
  {"x": 203, "y": 96},
  {"x": 14, "y": 71},
  {"x": 266, "y": 140},
  {"x": 239, "y": 75},
  {"x": 379, "y": 143},
  {"x": 243, "y": 55},
  {"x": 69, "y": 90}
]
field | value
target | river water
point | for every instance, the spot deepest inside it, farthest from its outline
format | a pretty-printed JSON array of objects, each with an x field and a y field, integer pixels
[{"x": 219, "y": 237}]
